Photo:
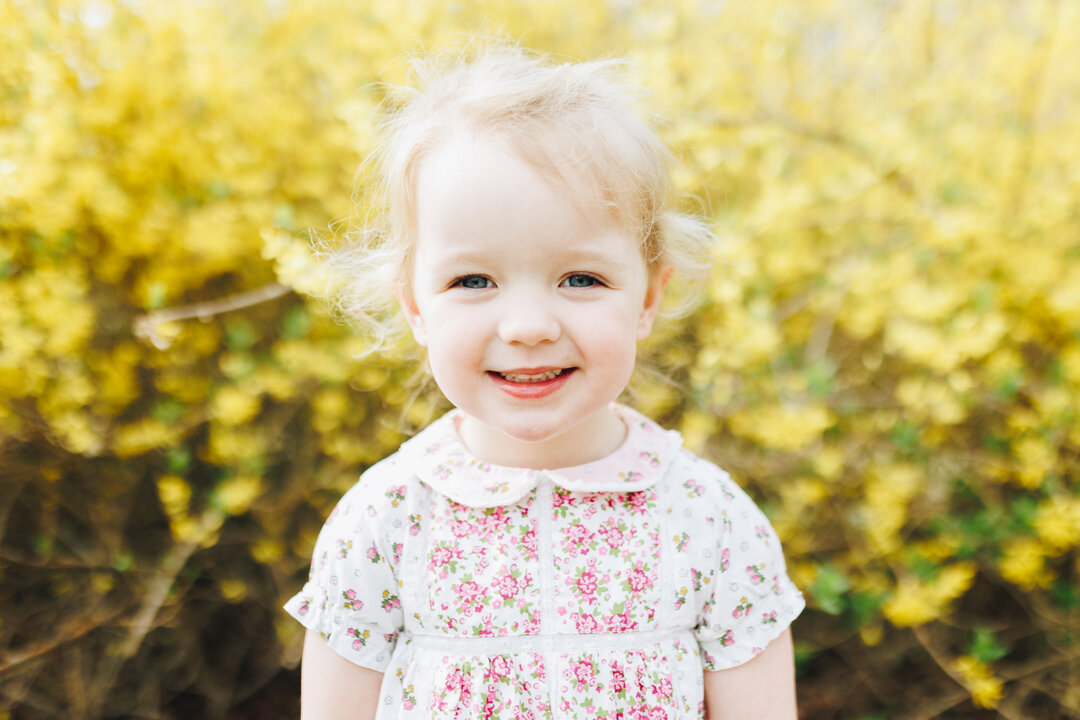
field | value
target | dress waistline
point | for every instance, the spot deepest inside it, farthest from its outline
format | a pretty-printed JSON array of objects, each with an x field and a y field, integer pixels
[{"x": 556, "y": 643}]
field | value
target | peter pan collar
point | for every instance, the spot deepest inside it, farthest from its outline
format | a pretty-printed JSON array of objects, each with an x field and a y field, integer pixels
[{"x": 439, "y": 458}]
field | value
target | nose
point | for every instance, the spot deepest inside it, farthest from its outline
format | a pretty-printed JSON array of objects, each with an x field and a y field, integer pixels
[{"x": 528, "y": 319}]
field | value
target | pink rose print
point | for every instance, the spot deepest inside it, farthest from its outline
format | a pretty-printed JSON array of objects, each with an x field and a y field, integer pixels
[
  {"x": 343, "y": 547},
  {"x": 639, "y": 579},
  {"x": 586, "y": 624},
  {"x": 650, "y": 457},
  {"x": 528, "y": 542},
  {"x": 462, "y": 528},
  {"x": 444, "y": 558},
  {"x": 414, "y": 525},
  {"x": 578, "y": 540},
  {"x": 776, "y": 588},
  {"x": 408, "y": 697},
  {"x": 663, "y": 689},
  {"x": 582, "y": 672},
  {"x": 638, "y": 501},
  {"x": 396, "y": 495},
  {"x": 587, "y": 584},
  {"x": 471, "y": 596},
  {"x": 618, "y": 680},
  {"x": 304, "y": 607},
  {"x": 500, "y": 667},
  {"x": 630, "y": 476},
  {"x": 727, "y": 639},
  {"x": 754, "y": 571},
  {"x": 373, "y": 553},
  {"x": 351, "y": 601},
  {"x": 695, "y": 488},
  {"x": 725, "y": 559},
  {"x": 680, "y": 542},
  {"x": 614, "y": 535},
  {"x": 743, "y": 607},
  {"x": 762, "y": 532},
  {"x": 562, "y": 499},
  {"x": 769, "y": 618},
  {"x": 621, "y": 623},
  {"x": 494, "y": 521},
  {"x": 390, "y": 602},
  {"x": 359, "y": 637},
  {"x": 512, "y": 582}
]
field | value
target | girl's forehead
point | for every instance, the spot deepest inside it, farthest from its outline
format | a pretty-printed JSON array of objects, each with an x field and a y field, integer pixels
[{"x": 470, "y": 177}]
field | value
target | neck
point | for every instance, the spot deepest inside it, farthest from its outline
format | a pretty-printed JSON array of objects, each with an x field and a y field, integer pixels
[{"x": 595, "y": 437}]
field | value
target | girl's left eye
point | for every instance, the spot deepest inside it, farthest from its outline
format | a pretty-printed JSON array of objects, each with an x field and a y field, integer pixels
[
  {"x": 472, "y": 282},
  {"x": 580, "y": 280}
]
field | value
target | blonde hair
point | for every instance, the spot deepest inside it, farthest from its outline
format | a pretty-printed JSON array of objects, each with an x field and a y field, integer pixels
[{"x": 576, "y": 123}]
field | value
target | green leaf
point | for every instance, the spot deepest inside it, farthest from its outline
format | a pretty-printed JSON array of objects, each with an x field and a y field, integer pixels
[
  {"x": 122, "y": 561},
  {"x": 240, "y": 334},
  {"x": 819, "y": 378},
  {"x": 296, "y": 323},
  {"x": 168, "y": 410},
  {"x": 178, "y": 460},
  {"x": 986, "y": 648},
  {"x": 829, "y": 588},
  {"x": 905, "y": 436},
  {"x": 1065, "y": 595}
]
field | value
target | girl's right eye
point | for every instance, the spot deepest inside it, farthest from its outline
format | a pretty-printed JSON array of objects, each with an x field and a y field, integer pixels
[{"x": 472, "y": 282}]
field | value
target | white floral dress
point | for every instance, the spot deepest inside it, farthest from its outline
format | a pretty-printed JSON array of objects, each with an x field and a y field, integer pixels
[{"x": 597, "y": 591}]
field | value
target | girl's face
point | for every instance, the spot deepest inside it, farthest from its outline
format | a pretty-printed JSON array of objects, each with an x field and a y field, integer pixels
[{"x": 530, "y": 306}]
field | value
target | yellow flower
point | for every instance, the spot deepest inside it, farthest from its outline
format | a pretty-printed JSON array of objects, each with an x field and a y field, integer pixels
[
  {"x": 784, "y": 427},
  {"x": 238, "y": 493},
  {"x": 1024, "y": 564},
  {"x": 915, "y": 602},
  {"x": 1057, "y": 522},
  {"x": 1035, "y": 459},
  {"x": 909, "y": 605},
  {"x": 234, "y": 406},
  {"x": 175, "y": 494},
  {"x": 986, "y": 688}
]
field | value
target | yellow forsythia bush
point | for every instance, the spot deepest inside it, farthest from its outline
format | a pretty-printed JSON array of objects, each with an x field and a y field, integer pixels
[{"x": 888, "y": 356}]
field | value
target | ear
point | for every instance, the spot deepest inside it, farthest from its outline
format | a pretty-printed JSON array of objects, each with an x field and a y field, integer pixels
[
  {"x": 658, "y": 280},
  {"x": 411, "y": 311}
]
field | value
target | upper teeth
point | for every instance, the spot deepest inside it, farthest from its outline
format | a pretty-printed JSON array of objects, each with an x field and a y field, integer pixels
[{"x": 519, "y": 377}]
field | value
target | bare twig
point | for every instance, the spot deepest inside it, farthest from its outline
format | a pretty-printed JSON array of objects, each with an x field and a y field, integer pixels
[{"x": 146, "y": 326}]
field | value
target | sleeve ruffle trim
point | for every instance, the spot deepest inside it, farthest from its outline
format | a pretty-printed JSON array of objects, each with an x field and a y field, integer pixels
[
  {"x": 350, "y": 636},
  {"x": 718, "y": 654}
]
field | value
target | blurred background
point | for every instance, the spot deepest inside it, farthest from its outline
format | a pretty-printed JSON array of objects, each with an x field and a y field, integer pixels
[{"x": 888, "y": 356}]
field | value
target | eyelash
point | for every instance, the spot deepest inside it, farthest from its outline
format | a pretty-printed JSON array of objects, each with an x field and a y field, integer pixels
[
  {"x": 593, "y": 281},
  {"x": 460, "y": 282}
]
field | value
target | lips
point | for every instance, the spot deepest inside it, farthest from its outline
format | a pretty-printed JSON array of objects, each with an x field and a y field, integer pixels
[
  {"x": 531, "y": 383},
  {"x": 531, "y": 377}
]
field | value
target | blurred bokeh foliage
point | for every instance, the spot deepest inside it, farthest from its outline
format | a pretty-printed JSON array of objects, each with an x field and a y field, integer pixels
[{"x": 888, "y": 356}]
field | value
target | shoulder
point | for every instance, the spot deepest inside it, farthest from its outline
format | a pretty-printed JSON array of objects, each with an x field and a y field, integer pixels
[
  {"x": 697, "y": 473},
  {"x": 709, "y": 489},
  {"x": 379, "y": 490}
]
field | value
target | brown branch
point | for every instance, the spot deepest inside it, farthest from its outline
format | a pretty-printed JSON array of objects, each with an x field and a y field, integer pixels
[
  {"x": 64, "y": 637},
  {"x": 142, "y": 623},
  {"x": 146, "y": 326}
]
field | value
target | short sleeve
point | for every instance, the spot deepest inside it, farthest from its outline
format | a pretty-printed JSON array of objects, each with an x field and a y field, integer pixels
[
  {"x": 752, "y": 600},
  {"x": 352, "y": 597}
]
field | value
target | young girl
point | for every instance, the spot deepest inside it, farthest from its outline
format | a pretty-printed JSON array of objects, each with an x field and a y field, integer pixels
[{"x": 540, "y": 551}]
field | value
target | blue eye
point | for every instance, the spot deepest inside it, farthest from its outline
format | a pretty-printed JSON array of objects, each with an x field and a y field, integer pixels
[
  {"x": 580, "y": 280},
  {"x": 473, "y": 282}
]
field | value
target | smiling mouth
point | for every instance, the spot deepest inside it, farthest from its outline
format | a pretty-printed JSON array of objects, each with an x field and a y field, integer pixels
[{"x": 531, "y": 377}]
